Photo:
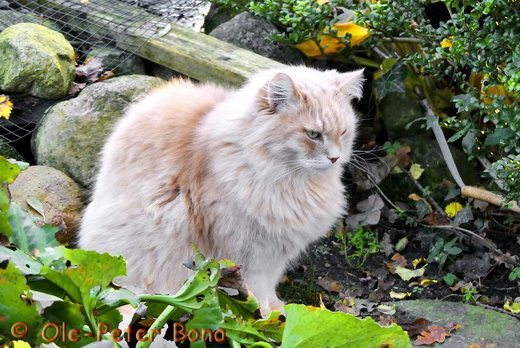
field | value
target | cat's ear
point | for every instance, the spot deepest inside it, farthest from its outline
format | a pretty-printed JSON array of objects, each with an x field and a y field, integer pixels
[
  {"x": 351, "y": 83},
  {"x": 280, "y": 92}
]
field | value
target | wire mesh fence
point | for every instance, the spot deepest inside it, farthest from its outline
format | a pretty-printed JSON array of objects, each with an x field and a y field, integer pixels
[{"x": 112, "y": 30}]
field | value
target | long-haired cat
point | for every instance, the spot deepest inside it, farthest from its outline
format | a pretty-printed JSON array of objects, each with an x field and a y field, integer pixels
[{"x": 251, "y": 175}]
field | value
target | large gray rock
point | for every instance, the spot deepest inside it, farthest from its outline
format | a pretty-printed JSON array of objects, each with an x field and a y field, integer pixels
[
  {"x": 253, "y": 33},
  {"x": 11, "y": 17},
  {"x": 59, "y": 195},
  {"x": 72, "y": 132},
  {"x": 427, "y": 153},
  {"x": 118, "y": 61},
  {"x": 398, "y": 110},
  {"x": 35, "y": 60}
]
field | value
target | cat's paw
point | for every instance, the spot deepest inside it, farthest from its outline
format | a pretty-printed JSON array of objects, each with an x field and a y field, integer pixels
[{"x": 273, "y": 305}]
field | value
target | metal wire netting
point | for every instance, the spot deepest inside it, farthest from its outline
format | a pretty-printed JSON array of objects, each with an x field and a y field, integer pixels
[{"x": 113, "y": 30}]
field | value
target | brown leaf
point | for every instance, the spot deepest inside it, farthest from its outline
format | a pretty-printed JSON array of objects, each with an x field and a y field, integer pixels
[
  {"x": 76, "y": 87},
  {"x": 329, "y": 284},
  {"x": 415, "y": 327},
  {"x": 436, "y": 219},
  {"x": 460, "y": 285},
  {"x": 397, "y": 260},
  {"x": 231, "y": 277},
  {"x": 434, "y": 334},
  {"x": 91, "y": 69},
  {"x": 386, "y": 321}
]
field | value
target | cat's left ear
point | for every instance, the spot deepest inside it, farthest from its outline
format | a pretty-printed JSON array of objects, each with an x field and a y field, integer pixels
[
  {"x": 351, "y": 83},
  {"x": 280, "y": 92}
]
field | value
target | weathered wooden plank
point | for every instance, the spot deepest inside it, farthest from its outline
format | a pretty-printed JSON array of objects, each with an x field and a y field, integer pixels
[{"x": 191, "y": 53}]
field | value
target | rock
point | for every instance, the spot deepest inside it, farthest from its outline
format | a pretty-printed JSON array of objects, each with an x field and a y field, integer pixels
[
  {"x": 8, "y": 151},
  {"x": 35, "y": 60},
  {"x": 216, "y": 16},
  {"x": 58, "y": 193},
  {"x": 398, "y": 110},
  {"x": 477, "y": 326},
  {"x": 112, "y": 56},
  {"x": 253, "y": 33},
  {"x": 11, "y": 17},
  {"x": 426, "y": 152},
  {"x": 164, "y": 72},
  {"x": 73, "y": 132}
]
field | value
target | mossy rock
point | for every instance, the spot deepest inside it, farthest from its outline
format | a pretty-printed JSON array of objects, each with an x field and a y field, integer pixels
[
  {"x": 12, "y": 17},
  {"x": 118, "y": 61},
  {"x": 426, "y": 152},
  {"x": 35, "y": 60},
  {"x": 59, "y": 194},
  {"x": 399, "y": 109},
  {"x": 477, "y": 326},
  {"x": 72, "y": 132},
  {"x": 7, "y": 150}
]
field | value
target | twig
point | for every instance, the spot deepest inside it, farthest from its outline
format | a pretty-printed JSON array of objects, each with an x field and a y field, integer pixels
[
  {"x": 420, "y": 187},
  {"x": 497, "y": 309}
]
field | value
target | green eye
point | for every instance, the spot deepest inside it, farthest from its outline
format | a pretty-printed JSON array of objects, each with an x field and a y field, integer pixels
[{"x": 313, "y": 134}]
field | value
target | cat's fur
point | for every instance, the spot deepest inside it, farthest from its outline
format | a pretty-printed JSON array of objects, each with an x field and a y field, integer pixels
[{"x": 233, "y": 172}]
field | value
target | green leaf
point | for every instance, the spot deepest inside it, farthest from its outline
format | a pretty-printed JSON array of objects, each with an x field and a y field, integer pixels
[
  {"x": 469, "y": 141},
  {"x": 36, "y": 205},
  {"x": 26, "y": 263},
  {"x": 392, "y": 81},
  {"x": 316, "y": 327},
  {"x": 8, "y": 171},
  {"x": 271, "y": 326},
  {"x": 5, "y": 226},
  {"x": 449, "y": 279},
  {"x": 27, "y": 236},
  {"x": 13, "y": 308},
  {"x": 111, "y": 296}
]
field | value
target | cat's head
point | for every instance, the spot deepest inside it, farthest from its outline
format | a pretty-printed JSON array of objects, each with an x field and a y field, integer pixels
[{"x": 307, "y": 116}]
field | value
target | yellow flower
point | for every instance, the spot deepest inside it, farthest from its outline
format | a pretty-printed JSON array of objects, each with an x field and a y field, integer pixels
[
  {"x": 5, "y": 106},
  {"x": 446, "y": 43},
  {"x": 453, "y": 208},
  {"x": 331, "y": 45}
]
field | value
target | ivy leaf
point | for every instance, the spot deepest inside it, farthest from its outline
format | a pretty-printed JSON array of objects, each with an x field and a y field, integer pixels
[
  {"x": 465, "y": 102},
  {"x": 469, "y": 141}
]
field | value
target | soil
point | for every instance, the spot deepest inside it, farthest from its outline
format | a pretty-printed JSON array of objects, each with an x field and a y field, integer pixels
[{"x": 373, "y": 281}]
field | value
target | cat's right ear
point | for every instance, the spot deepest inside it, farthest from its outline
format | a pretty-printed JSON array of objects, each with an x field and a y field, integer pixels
[{"x": 279, "y": 93}]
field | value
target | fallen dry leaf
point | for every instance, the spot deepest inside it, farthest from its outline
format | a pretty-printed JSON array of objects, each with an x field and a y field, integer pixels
[
  {"x": 6, "y": 106},
  {"x": 329, "y": 284},
  {"x": 386, "y": 309},
  {"x": 416, "y": 170},
  {"x": 386, "y": 321},
  {"x": 434, "y": 334},
  {"x": 91, "y": 69},
  {"x": 370, "y": 209},
  {"x": 415, "y": 327},
  {"x": 426, "y": 282},
  {"x": 407, "y": 274},
  {"x": 397, "y": 260},
  {"x": 436, "y": 219},
  {"x": 400, "y": 295},
  {"x": 416, "y": 262}
]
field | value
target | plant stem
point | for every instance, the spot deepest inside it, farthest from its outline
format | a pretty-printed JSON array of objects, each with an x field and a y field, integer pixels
[{"x": 157, "y": 325}]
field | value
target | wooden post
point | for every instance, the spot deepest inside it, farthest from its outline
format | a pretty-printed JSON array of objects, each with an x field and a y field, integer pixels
[{"x": 190, "y": 53}]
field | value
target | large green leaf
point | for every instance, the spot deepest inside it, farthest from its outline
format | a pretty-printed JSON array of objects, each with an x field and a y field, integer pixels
[
  {"x": 26, "y": 263},
  {"x": 27, "y": 234},
  {"x": 8, "y": 171},
  {"x": 316, "y": 327},
  {"x": 14, "y": 308}
]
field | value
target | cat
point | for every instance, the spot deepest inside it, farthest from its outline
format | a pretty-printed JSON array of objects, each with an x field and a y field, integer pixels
[{"x": 252, "y": 175}]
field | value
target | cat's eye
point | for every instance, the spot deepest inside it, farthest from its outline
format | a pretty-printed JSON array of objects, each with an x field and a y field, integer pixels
[
  {"x": 313, "y": 134},
  {"x": 342, "y": 133}
]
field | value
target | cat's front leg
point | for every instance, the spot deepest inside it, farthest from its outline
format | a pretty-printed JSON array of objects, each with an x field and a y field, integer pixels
[{"x": 262, "y": 285}]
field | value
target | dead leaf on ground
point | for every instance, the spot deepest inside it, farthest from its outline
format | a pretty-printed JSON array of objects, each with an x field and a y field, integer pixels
[
  {"x": 407, "y": 274},
  {"x": 397, "y": 260},
  {"x": 386, "y": 244},
  {"x": 460, "y": 285},
  {"x": 370, "y": 212},
  {"x": 76, "y": 87},
  {"x": 434, "y": 334},
  {"x": 415, "y": 327},
  {"x": 386, "y": 309},
  {"x": 329, "y": 284},
  {"x": 367, "y": 175},
  {"x": 386, "y": 321},
  {"x": 436, "y": 219},
  {"x": 506, "y": 259},
  {"x": 91, "y": 70},
  {"x": 400, "y": 295}
]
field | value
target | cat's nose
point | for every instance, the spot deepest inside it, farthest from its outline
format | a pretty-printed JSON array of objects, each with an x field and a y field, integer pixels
[{"x": 333, "y": 159}]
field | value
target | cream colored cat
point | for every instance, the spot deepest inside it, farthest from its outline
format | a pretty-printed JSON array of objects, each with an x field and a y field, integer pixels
[{"x": 252, "y": 175}]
